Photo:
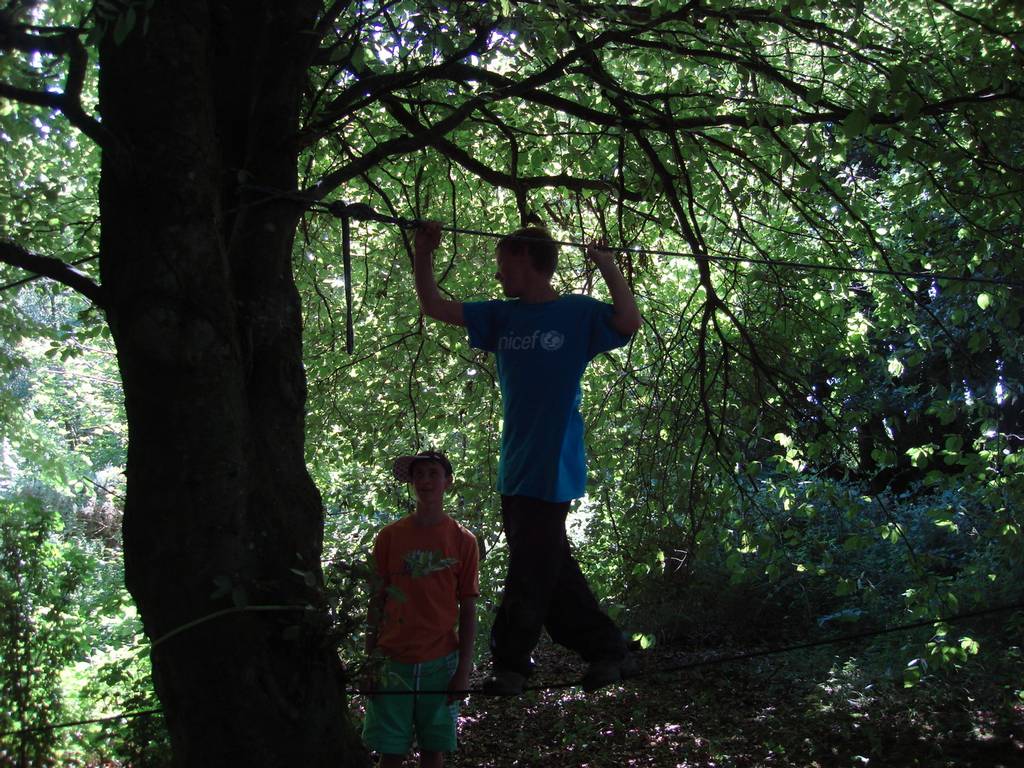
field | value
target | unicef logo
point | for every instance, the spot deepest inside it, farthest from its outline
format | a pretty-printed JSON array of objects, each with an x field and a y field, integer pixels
[{"x": 552, "y": 340}]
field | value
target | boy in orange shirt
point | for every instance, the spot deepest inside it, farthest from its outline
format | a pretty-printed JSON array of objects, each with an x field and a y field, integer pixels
[{"x": 427, "y": 564}]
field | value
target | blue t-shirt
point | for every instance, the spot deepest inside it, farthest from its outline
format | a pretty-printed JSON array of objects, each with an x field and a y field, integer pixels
[{"x": 541, "y": 352}]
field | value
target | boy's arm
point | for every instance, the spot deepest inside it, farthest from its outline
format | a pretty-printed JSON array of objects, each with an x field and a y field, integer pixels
[
  {"x": 626, "y": 317},
  {"x": 428, "y": 237},
  {"x": 467, "y": 636}
]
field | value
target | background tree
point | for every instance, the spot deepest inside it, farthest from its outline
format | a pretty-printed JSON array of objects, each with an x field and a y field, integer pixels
[{"x": 858, "y": 143}]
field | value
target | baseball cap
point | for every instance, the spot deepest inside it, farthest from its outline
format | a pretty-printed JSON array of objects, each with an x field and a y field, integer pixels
[{"x": 403, "y": 464}]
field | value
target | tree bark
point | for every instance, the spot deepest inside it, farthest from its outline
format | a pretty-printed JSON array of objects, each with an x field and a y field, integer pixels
[{"x": 202, "y": 99}]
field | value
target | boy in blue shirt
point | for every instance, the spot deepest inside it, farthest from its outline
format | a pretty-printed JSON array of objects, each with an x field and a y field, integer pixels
[{"x": 542, "y": 343}]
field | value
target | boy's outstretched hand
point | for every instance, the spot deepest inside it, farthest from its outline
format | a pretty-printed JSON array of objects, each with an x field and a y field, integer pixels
[
  {"x": 428, "y": 237},
  {"x": 626, "y": 317},
  {"x": 599, "y": 253}
]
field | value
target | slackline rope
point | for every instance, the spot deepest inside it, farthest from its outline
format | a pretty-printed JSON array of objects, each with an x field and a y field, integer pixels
[
  {"x": 715, "y": 660},
  {"x": 363, "y": 212}
]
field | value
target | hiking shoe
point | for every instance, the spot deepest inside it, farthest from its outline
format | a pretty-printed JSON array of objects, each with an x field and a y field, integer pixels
[
  {"x": 602, "y": 673},
  {"x": 504, "y": 682}
]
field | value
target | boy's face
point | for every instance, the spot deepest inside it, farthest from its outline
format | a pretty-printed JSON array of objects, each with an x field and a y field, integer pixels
[
  {"x": 429, "y": 480},
  {"x": 512, "y": 271}
]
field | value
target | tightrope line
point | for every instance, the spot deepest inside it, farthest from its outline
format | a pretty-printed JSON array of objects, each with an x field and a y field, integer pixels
[
  {"x": 715, "y": 660},
  {"x": 363, "y": 212}
]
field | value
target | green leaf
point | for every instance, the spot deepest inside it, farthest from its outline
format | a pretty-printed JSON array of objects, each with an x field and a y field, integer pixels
[
  {"x": 897, "y": 77},
  {"x": 358, "y": 61},
  {"x": 912, "y": 106},
  {"x": 856, "y": 122}
]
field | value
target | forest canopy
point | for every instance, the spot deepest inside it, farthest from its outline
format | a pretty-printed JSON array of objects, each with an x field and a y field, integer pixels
[{"x": 820, "y": 209}]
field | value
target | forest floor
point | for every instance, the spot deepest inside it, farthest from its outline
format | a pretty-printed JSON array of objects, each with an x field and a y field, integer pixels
[{"x": 821, "y": 708}]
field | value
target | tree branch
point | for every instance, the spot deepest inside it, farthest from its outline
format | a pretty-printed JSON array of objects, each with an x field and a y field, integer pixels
[
  {"x": 330, "y": 16},
  {"x": 430, "y": 136},
  {"x": 371, "y": 86},
  {"x": 64, "y": 43},
  {"x": 55, "y": 269},
  {"x": 488, "y": 174}
]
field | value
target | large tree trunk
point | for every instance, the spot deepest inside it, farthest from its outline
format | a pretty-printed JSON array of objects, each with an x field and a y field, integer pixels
[{"x": 204, "y": 97}]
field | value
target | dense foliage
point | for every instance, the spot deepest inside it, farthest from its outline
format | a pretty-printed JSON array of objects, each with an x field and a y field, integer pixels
[{"x": 820, "y": 427}]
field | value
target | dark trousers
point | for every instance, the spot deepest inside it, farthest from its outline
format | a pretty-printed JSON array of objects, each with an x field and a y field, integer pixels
[{"x": 545, "y": 589}]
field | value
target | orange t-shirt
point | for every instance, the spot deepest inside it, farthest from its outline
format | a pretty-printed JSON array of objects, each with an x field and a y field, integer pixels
[{"x": 426, "y": 572}]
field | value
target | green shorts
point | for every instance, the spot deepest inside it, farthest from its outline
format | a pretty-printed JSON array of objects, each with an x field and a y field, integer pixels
[{"x": 393, "y": 719}]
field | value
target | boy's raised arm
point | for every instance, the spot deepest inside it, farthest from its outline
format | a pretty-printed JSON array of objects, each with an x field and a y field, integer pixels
[
  {"x": 626, "y": 318},
  {"x": 428, "y": 237}
]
